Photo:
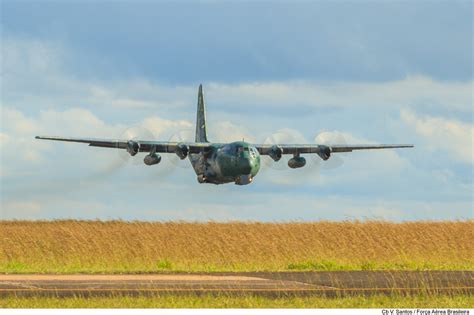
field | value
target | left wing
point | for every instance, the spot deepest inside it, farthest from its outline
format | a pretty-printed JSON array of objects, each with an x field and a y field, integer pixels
[{"x": 324, "y": 151}]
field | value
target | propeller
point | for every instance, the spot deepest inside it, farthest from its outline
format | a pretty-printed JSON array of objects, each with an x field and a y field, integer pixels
[
  {"x": 123, "y": 157},
  {"x": 166, "y": 166},
  {"x": 182, "y": 136},
  {"x": 329, "y": 138},
  {"x": 132, "y": 134},
  {"x": 309, "y": 172},
  {"x": 282, "y": 136}
]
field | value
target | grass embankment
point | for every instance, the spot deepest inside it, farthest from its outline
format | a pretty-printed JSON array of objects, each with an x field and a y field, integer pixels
[
  {"x": 126, "y": 247},
  {"x": 170, "y": 301}
]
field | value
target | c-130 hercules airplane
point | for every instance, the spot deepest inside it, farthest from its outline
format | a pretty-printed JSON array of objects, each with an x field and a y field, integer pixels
[{"x": 220, "y": 163}]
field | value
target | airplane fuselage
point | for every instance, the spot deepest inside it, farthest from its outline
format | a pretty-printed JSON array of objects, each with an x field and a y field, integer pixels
[{"x": 237, "y": 162}]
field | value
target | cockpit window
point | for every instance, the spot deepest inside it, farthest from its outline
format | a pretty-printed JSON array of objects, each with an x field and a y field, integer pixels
[
  {"x": 227, "y": 149},
  {"x": 253, "y": 151},
  {"x": 235, "y": 149}
]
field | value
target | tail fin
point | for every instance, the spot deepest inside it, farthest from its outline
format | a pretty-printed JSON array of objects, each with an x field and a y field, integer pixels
[{"x": 201, "y": 133}]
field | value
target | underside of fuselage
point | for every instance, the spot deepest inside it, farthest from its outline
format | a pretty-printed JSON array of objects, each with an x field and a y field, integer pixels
[{"x": 236, "y": 162}]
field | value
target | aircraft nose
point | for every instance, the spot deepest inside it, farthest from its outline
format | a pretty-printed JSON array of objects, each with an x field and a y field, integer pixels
[{"x": 245, "y": 166}]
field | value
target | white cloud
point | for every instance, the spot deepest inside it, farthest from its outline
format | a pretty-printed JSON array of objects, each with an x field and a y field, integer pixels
[
  {"x": 16, "y": 145},
  {"x": 3, "y": 138},
  {"x": 16, "y": 121},
  {"x": 226, "y": 131},
  {"x": 341, "y": 167},
  {"x": 40, "y": 97},
  {"x": 164, "y": 127},
  {"x": 136, "y": 94},
  {"x": 19, "y": 148},
  {"x": 455, "y": 137},
  {"x": 34, "y": 75},
  {"x": 413, "y": 91}
]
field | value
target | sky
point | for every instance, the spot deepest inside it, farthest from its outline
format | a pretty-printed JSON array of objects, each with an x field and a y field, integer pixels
[{"x": 292, "y": 71}]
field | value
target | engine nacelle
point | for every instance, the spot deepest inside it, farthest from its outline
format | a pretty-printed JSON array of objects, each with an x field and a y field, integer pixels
[
  {"x": 297, "y": 162},
  {"x": 275, "y": 153},
  {"x": 133, "y": 147},
  {"x": 152, "y": 159},
  {"x": 182, "y": 151},
  {"x": 324, "y": 152}
]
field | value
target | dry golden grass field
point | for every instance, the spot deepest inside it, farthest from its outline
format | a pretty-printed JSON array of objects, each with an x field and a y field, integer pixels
[
  {"x": 118, "y": 246},
  {"x": 210, "y": 301}
]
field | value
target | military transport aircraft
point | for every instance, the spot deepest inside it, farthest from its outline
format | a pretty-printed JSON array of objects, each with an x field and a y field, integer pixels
[{"x": 219, "y": 163}]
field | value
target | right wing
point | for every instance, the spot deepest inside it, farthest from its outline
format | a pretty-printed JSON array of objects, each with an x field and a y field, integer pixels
[{"x": 136, "y": 145}]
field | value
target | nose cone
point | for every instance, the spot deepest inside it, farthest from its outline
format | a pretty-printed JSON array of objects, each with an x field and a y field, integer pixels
[{"x": 245, "y": 166}]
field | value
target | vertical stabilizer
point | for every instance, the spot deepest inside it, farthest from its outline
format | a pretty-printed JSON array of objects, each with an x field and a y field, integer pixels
[{"x": 201, "y": 133}]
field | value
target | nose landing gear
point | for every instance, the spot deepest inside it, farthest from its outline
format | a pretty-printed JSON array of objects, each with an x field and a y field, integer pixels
[
  {"x": 243, "y": 180},
  {"x": 202, "y": 179}
]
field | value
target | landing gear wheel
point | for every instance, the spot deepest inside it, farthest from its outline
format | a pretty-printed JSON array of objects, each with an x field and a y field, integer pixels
[{"x": 202, "y": 179}]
